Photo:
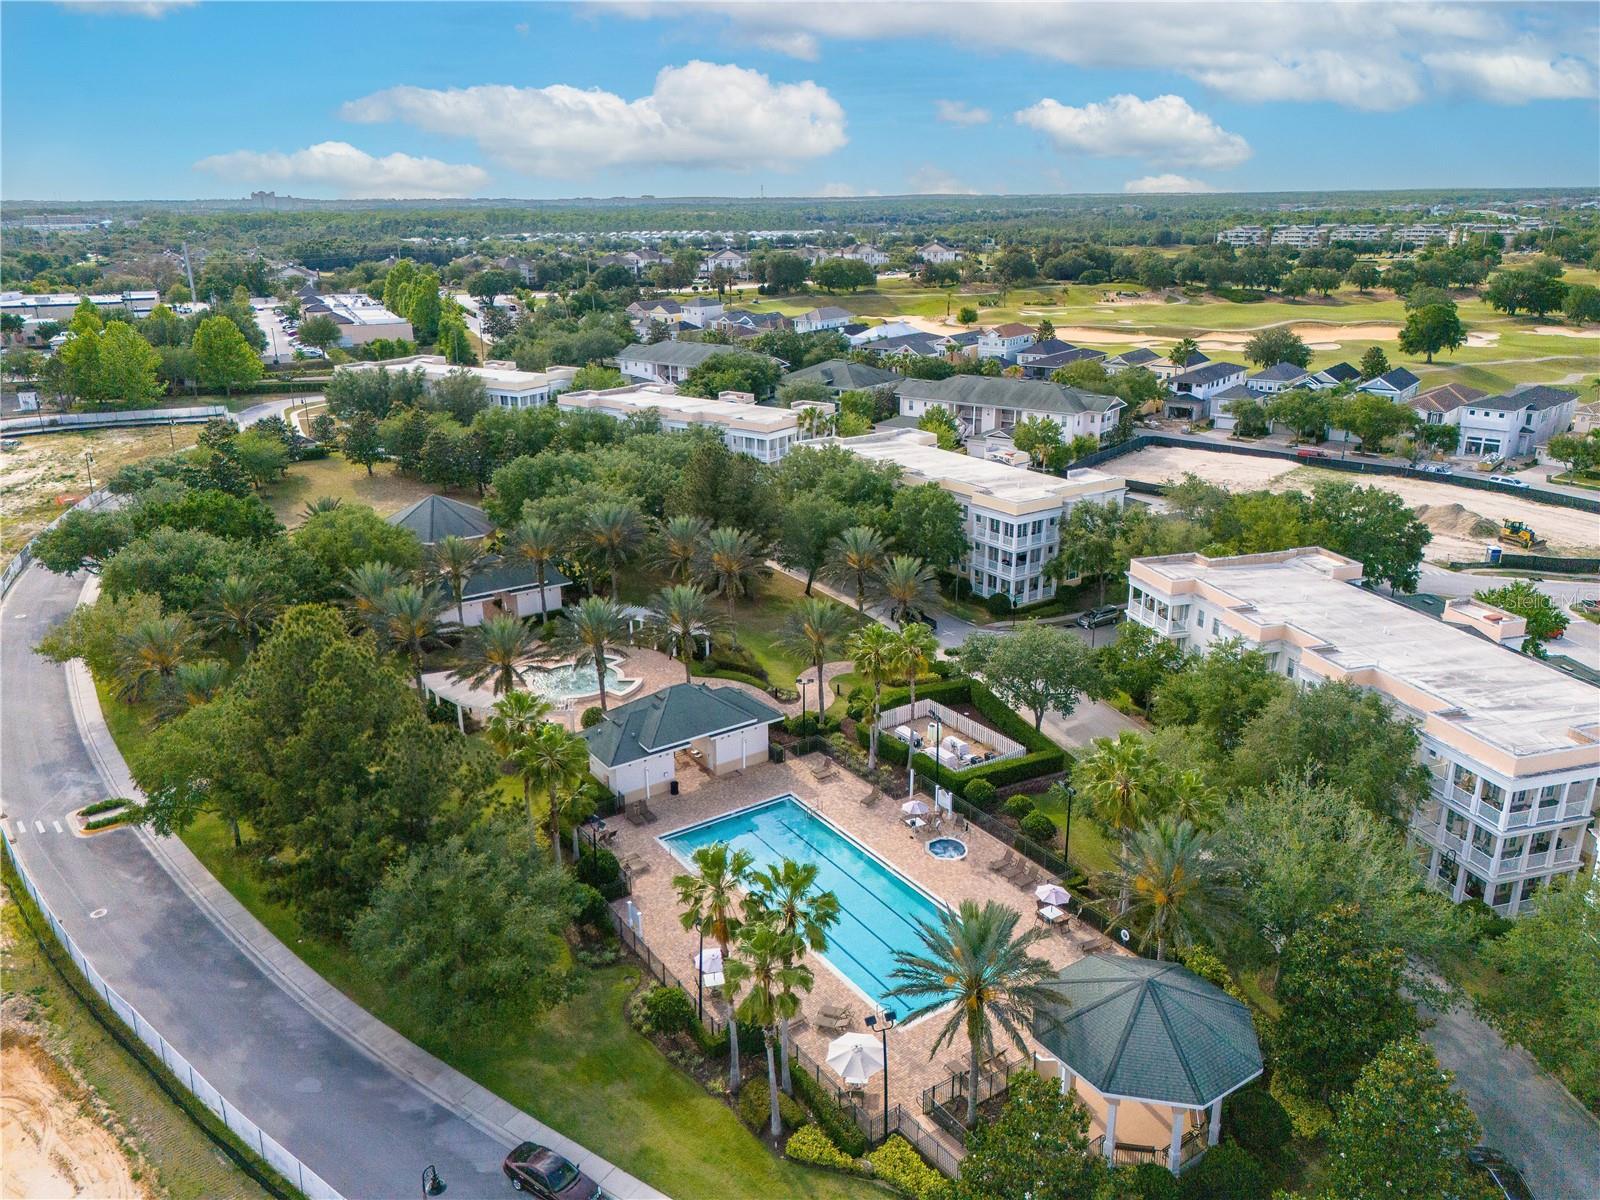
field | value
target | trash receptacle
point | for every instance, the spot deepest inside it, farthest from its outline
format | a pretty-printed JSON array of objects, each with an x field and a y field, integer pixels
[
  {"x": 672, "y": 788},
  {"x": 1494, "y": 555}
]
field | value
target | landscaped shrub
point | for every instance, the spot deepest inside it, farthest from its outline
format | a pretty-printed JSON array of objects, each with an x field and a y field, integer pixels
[
  {"x": 1147, "y": 1181},
  {"x": 811, "y": 1146},
  {"x": 1017, "y": 806},
  {"x": 841, "y": 1129},
  {"x": 728, "y": 657},
  {"x": 1257, "y": 1122},
  {"x": 980, "y": 794},
  {"x": 589, "y": 907},
  {"x": 1487, "y": 925},
  {"x": 100, "y": 806},
  {"x": 902, "y": 1168},
  {"x": 668, "y": 1010},
  {"x": 599, "y": 868},
  {"x": 592, "y": 716},
  {"x": 1308, "y": 1116},
  {"x": 1038, "y": 827},
  {"x": 1225, "y": 1173},
  {"x": 997, "y": 603},
  {"x": 755, "y": 1106}
]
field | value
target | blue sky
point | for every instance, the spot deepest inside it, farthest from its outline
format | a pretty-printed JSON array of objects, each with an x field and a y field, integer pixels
[{"x": 164, "y": 99}]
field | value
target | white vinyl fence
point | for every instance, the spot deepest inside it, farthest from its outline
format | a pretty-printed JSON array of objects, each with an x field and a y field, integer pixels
[
  {"x": 247, "y": 1131},
  {"x": 954, "y": 722},
  {"x": 19, "y": 564}
]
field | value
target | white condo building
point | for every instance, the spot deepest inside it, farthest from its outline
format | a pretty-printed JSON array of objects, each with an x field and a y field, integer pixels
[
  {"x": 1013, "y": 515},
  {"x": 507, "y": 386},
  {"x": 766, "y": 434},
  {"x": 1512, "y": 745}
]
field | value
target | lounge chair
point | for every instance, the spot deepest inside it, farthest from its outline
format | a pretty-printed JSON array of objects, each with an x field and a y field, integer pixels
[
  {"x": 870, "y": 798},
  {"x": 1028, "y": 877},
  {"x": 635, "y": 812},
  {"x": 1003, "y": 864},
  {"x": 1014, "y": 870}
]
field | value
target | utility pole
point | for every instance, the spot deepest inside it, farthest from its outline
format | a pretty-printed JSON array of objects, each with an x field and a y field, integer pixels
[{"x": 189, "y": 271}]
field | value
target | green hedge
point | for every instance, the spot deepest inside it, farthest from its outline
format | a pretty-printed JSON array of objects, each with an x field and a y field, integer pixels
[
  {"x": 811, "y": 1146},
  {"x": 901, "y": 1167},
  {"x": 841, "y": 1129},
  {"x": 755, "y": 1106}
]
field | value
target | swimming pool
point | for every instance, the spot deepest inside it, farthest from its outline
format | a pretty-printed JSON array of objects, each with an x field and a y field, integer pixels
[{"x": 879, "y": 908}]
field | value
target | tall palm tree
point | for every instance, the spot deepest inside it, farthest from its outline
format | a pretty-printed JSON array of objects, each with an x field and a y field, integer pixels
[
  {"x": 816, "y": 629},
  {"x": 1181, "y": 883},
  {"x": 495, "y": 651},
  {"x": 872, "y": 650},
  {"x": 915, "y": 648},
  {"x": 366, "y": 585},
  {"x": 682, "y": 613},
  {"x": 680, "y": 542},
  {"x": 589, "y": 631},
  {"x": 783, "y": 898},
  {"x": 611, "y": 532},
  {"x": 552, "y": 761},
  {"x": 1121, "y": 780},
  {"x": 411, "y": 620},
  {"x": 536, "y": 541},
  {"x": 854, "y": 559},
  {"x": 454, "y": 559},
  {"x": 766, "y": 965},
  {"x": 239, "y": 606},
  {"x": 152, "y": 651},
  {"x": 906, "y": 584},
  {"x": 1179, "y": 355},
  {"x": 710, "y": 900},
  {"x": 731, "y": 559},
  {"x": 1191, "y": 798},
  {"x": 815, "y": 421},
  {"x": 974, "y": 961},
  {"x": 514, "y": 719}
]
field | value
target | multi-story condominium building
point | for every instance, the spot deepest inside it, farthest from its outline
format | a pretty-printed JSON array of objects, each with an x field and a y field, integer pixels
[
  {"x": 982, "y": 403},
  {"x": 1013, "y": 515},
  {"x": 1243, "y": 235},
  {"x": 1421, "y": 235},
  {"x": 1361, "y": 234},
  {"x": 360, "y": 318},
  {"x": 766, "y": 434},
  {"x": 668, "y": 362},
  {"x": 1302, "y": 237},
  {"x": 1512, "y": 745},
  {"x": 506, "y": 385}
]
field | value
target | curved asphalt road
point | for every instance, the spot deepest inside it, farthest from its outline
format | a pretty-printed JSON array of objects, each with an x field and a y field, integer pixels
[{"x": 366, "y": 1129}]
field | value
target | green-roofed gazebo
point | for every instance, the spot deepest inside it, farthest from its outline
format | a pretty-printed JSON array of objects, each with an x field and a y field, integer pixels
[
  {"x": 434, "y": 518},
  {"x": 1152, "y": 1049}
]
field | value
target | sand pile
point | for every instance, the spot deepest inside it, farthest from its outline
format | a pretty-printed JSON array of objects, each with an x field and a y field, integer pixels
[
  {"x": 1456, "y": 519},
  {"x": 52, "y": 1146}
]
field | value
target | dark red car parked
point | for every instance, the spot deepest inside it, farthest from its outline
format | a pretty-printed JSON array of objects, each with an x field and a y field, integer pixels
[{"x": 544, "y": 1173}]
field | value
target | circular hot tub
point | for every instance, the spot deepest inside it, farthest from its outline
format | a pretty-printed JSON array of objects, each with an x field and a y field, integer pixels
[{"x": 948, "y": 848}]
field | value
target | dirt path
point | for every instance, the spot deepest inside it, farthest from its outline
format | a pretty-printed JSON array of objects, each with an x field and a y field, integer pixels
[{"x": 49, "y": 1144}]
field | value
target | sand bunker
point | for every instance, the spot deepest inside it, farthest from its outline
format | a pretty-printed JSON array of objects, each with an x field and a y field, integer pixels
[
  {"x": 1354, "y": 333},
  {"x": 1479, "y": 337},
  {"x": 1117, "y": 337},
  {"x": 49, "y": 1147},
  {"x": 1564, "y": 331}
]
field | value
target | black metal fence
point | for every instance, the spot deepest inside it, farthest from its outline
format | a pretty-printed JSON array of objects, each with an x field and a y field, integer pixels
[{"x": 946, "y": 1101}]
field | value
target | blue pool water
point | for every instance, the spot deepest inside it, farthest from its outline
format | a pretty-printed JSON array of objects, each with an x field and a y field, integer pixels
[{"x": 879, "y": 909}]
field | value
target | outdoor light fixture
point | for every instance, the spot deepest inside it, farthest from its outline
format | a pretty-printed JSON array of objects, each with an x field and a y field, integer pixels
[{"x": 883, "y": 1024}]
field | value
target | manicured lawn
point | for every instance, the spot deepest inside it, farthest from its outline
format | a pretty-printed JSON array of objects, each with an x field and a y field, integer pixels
[
  {"x": 1091, "y": 851},
  {"x": 761, "y": 623},
  {"x": 386, "y": 490}
]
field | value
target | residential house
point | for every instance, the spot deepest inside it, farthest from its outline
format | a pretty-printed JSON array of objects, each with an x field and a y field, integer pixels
[
  {"x": 1280, "y": 377},
  {"x": 829, "y": 316},
  {"x": 1162, "y": 367},
  {"x": 668, "y": 362},
  {"x": 506, "y": 385},
  {"x": 523, "y": 268},
  {"x": 1041, "y": 366},
  {"x": 1437, "y": 406},
  {"x": 765, "y": 433},
  {"x": 981, "y": 403},
  {"x": 867, "y": 253},
  {"x": 842, "y": 375},
  {"x": 884, "y": 329},
  {"x": 1220, "y": 405},
  {"x": 1143, "y": 356},
  {"x": 963, "y": 342},
  {"x": 1511, "y": 745},
  {"x": 1513, "y": 426},
  {"x": 742, "y": 321},
  {"x": 732, "y": 260},
  {"x": 1006, "y": 341},
  {"x": 909, "y": 345},
  {"x": 1192, "y": 391},
  {"x": 937, "y": 252},
  {"x": 497, "y": 584},
  {"x": 1399, "y": 385},
  {"x": 1329, "y": 378}
]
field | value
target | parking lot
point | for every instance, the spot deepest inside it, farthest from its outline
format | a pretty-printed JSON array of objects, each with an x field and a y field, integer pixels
[{"x": 280, "y": 345}]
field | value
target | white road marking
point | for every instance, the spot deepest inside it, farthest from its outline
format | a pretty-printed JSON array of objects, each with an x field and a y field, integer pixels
[
  {"x": 97, "y": 914},
  {"x": 38, "y": 826},
  {"x": 57, "y": 824}
]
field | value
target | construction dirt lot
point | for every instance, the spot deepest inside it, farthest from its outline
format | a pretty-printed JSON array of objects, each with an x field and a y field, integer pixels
[{"x": 1463, "y": 520}]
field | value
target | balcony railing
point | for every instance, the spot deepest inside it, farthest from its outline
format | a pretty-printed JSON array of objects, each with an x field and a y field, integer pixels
[{"x": 1194, "y": 1145}]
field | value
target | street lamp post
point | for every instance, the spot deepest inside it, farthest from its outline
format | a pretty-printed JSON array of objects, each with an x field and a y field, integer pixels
[
  {"x": 805, "y": 684},
  {"x": 883, "y": 1025},
  {"x": 88, "y": 461},
  {"x": 700, "y": 979},
  {"x": 172, "y": 432}
]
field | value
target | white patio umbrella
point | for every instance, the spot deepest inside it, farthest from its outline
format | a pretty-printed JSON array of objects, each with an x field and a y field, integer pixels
[
  {"x": 915, "y": 808},
  {"x": 709, "y": 961},
  {"x": 857, "y": 1057},
  {"x": 1052, "y": 893}
]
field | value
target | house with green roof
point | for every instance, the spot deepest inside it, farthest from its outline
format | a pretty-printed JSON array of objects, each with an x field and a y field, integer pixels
[
  {"x": 635, "y": 749},
  {"x": 1151, "y": 1049}
]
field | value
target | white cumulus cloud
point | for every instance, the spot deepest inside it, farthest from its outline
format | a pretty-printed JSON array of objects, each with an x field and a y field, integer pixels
[
  {"x": 935, "y": 181},
  {"x": 1512, "y": 76},
  {"x": 955, "y": 112},
  {"x": 1166, "y": 184},
  {"x": 840, "y": 191},
  {"x": 1162, "y": 130},
  {"x": 351, "y": 173},
  {"x": 701, "y": 114},
  {"x": 150, "y": 9}
]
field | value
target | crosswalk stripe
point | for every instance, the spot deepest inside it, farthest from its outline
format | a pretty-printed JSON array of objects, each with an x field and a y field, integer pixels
[
  {"x": 38, "y": 826},
  {"x": 57, "y": 824}
]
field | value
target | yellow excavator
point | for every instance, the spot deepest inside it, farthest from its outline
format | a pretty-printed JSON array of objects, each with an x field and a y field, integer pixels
[{"x": 1517, "y": 533}]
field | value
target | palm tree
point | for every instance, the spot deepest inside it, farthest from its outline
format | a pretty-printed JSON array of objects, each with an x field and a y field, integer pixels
[
  {"x": 681, "y": 541},
  {"x": 195, "y": 683},
  {"x": 454, "y": 559},
  {"x": 411, "y": 621},
  {"x": 611, "y": 532},
  {"x": 974, "y": 962},
  {"x": 710, "y": 899},
  {"x": 514, "y": 719},
  {"x": 1121, "y": 780},
  {"x": 784, "y": 900},
  {"x": 535, "y": 541},
  {"x": 589, "y": 631},
  {"x": 872, "y": 650},
  {"x": 1180, "y": 881},
  {"x": 366, "y": 585},
  {"x": 495, "y": 651},
  {"x": 815, "y": 421},
  {"x": 906, "y": 584},
  {"x": 552, "y": 761},
  {"x": 732, "y": 557},
  {"x": 239, "y": 606},
  {"x": 1191, "y": 798},
  {"x": 152, "y": 651},
  {"x": 321, "y": 504},
  {"x": 766, "y": 963},
  {"x": 855, "y": 557},
  {"x": 1179, "y": 355},
  {"x": 815, "y": 630},
  {"x": 915, "y": 648},
  {"x": 682, "y": 613}
]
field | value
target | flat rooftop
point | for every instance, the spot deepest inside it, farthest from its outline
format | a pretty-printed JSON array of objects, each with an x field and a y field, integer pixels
[
  {"x": 1492, "y": 692},
  {"x": 497, "y": 375},
  {"x": 355, "y": 308},
  {"x": 917, "y": 453},
  {"x": 673, "y": 406}
]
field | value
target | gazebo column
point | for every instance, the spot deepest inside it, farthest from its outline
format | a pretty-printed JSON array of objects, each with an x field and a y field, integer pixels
[
  {"x": 1215, "y": 1132},
  {"x": 1175, "y": 1149},
  {"x": 1111, "y": 1132}
]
